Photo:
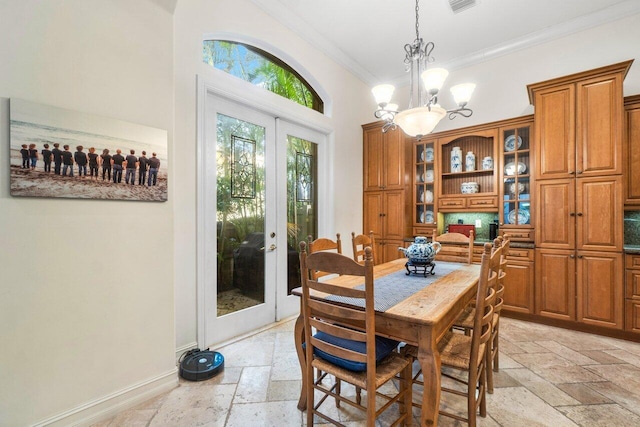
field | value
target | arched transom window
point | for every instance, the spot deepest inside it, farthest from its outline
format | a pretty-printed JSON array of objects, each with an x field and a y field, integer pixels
[{"x": 261, "y": 69}]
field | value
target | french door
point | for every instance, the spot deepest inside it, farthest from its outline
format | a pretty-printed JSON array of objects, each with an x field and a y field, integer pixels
[{"x": 259, "y": 190}]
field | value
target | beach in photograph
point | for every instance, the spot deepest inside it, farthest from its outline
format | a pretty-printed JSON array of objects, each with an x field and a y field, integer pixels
[{"x": 38, "y": 124}]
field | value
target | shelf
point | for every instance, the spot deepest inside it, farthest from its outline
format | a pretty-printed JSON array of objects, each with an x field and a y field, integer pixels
[{"x": 477, "y": 172}]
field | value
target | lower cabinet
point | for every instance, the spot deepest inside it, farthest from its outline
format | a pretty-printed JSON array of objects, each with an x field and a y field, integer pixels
[
  {"x": 632, "y": 293},
  {"x": 583, "y": 286},
  {"x": 518, "y": 288}
]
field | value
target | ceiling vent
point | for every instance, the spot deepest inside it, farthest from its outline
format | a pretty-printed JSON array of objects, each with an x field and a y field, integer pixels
[{"x": 458, "y": 6}]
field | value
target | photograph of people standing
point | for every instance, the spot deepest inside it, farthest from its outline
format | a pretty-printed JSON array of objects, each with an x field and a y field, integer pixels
[
  {"x": 106, "y": 164},
  {"x": 154, "y": 167},
  {"x": 46, "y": 158},
  {"x": 132, "y": 162},
  {"x": 81, "y": 160},
  {"x": 142, "y": 168},
  {"x": 116, "y": 162},
  {"x": 67, "y": 161},
  {"x": 57, "y": 158}
]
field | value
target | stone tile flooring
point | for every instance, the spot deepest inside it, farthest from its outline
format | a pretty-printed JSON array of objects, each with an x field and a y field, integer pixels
[{"x": 548, "y": 377}]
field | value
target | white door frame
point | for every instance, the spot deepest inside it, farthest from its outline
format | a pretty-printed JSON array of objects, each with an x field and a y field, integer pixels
[{"x": 236, "y": 90}]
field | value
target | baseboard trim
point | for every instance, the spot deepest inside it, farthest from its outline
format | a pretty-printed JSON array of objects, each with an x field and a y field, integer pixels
[
  {"x": 182, "y": 349},
  {"x": 110, "y": 405}
]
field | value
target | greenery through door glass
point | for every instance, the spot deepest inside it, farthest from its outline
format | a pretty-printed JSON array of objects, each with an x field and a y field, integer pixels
[
  {"x": 261, "y": 69},
  {"x": 240, "y": 211}
]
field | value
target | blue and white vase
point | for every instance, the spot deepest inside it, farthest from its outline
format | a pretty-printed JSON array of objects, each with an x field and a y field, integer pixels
[
  {"x": 456, "y": 160},
  {"x": 470, "y": 161},
  {"x": 487, "y": 163}
]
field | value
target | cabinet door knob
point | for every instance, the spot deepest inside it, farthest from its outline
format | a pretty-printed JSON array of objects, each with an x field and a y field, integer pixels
[
  {"x": 572, "y": 256},
  {"x": 579, "y": 214},
  {"x": 572, "y": 214},
  {"x": 579, "y": 172},
  {"x": 571, "y": 172},
  {"x": 579, "y": 256}
]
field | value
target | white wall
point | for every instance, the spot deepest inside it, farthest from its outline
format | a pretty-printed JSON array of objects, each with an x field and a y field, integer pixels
[
  {"x": 86, "y": 287},
  {"x": 350, "y": 96}
]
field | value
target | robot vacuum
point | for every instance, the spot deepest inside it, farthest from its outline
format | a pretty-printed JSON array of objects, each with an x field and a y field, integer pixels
[{"x": 200, "y": 365}]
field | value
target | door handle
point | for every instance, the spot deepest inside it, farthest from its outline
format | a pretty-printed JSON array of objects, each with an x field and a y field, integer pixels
[{"x": 272, "y": 247}]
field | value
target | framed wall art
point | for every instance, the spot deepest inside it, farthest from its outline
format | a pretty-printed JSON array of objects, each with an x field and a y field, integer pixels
[{"x": 57, "y": 152}]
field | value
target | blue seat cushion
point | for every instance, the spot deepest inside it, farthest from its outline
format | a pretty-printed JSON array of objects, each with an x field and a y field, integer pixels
[{"x": 384, "y": 347}]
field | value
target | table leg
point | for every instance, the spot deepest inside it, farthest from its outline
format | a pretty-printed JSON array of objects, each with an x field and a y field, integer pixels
[
  {"x": 429, "y": 359},
  {"x": 299, "y": 340}
]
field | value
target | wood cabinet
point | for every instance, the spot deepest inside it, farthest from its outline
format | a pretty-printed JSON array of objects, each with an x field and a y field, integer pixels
[
  {"x": 600, "y": 289},
  {"x": 424, "y": 197},
  {"x": 384, "y": 159},
  {"x": 632, "y": 293},
  {"x": 451, "y": 197},
  {"x": 583, "y": 214},
  {"x": 578, "y": 123},
  {"x": 578, "y": 137},
  {"x": 518, "y": 288},
  {"x": 516, "y": 177},
  {"x": 632, "y": 151},
  {"x": 386, "y": 200}
]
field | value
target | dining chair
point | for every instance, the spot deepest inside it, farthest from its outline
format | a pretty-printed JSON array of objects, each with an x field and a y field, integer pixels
[
  {"x": 349, "y": 353},
  {"x": 359, "y": 242},
  {"x": 465, "y": 320},
  {"x": 323, "y": 244},
  {"x": 466, "y": 354},
  {"x": 456, "y": 247}
]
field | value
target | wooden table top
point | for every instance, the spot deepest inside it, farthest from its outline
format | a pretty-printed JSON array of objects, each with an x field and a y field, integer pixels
[{"x": 431, "y": 304}]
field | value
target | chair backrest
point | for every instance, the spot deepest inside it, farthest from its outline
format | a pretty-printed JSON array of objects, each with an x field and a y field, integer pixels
[
  {"x": 485, "y": 299},
  {"x": 326, "y": 315},
  {"x": 455, "y": 246},
  {"x": 359, "y": 243},
  {"x": 324, "y": 244},
  {"x": 504, "y": 243}
]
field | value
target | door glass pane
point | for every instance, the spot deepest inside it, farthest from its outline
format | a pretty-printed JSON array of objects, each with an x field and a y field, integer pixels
[
  {"x": 240, "y": 214},
  {"x": 302, "y": 219}
]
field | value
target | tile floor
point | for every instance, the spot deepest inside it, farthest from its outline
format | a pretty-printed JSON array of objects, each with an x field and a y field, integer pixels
[{"x": 548, "y": 377}]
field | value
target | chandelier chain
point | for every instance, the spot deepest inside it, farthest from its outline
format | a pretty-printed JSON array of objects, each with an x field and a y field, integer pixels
[{"x": 417, "y": 20}]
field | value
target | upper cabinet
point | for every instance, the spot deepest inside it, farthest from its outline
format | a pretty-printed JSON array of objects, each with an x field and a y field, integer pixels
[
  {"x": 578, "y": 128},
  {"x": 632, "y": 151},
  {"x": 516, "y": 174},
  {"x": 468, "y": 178},
  {"x": 384, "y": 166},
  {"x": 424, "y": 188}
]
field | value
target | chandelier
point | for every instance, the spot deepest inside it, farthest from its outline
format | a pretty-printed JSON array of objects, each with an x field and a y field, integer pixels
[{"x": 424, "y": 112}]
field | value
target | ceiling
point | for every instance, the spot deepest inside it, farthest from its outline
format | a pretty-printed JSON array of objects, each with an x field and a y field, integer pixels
[{"x": 368, "y": 36}]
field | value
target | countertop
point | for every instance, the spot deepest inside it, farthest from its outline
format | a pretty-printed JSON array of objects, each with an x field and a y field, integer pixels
[{"x": 632, "y": 249}]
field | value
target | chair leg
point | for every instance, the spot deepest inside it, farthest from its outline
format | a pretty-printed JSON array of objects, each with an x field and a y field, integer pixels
[
  {"x": 488, "y": 366},
  {"x": 338, "y": 389},
  {"x": 482, "y": 396},
  {"x": 496, "y": 350}
]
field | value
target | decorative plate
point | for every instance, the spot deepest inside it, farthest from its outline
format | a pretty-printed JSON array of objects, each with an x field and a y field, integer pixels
[
  {"x": 428, "y": 176},
  {"x": 521, "y": 215},
  {"x": 426, "y": 217},
  {"x": 510, "y": 143},
  {"x": 428, "y": 154},
  {"x": 510, "y": 168}
]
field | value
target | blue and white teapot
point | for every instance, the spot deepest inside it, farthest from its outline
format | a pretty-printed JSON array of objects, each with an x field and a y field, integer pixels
[{"x": 421, "y": 251}]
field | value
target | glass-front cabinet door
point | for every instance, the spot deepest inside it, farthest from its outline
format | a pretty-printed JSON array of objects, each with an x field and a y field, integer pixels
[
  {"x": 424, "y": 191},
  {"x": 515, "y": 211}
]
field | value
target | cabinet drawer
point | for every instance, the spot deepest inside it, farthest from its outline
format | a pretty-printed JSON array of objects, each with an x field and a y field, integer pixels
[
  {"x": 483, "y": 202},
  {"x": 632, "y": 282},
  {"x": 632, "y": 316},
  {"x": 520, "y": 254},
  {"x": 451, "y": 203},
  {"x": 525, "y": 235},
  {"x": 632, "y": 261},
  {"x": 423, "y": 231}
]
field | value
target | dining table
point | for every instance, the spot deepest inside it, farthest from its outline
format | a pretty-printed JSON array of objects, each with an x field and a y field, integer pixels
[{"x": 425, "y": 307}]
